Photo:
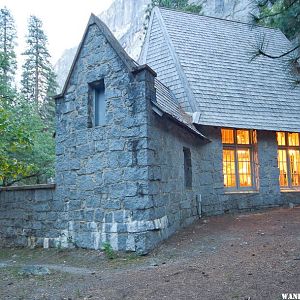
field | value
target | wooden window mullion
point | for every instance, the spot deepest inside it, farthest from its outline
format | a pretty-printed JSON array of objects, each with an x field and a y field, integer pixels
[
  {"x": 288, "y": 167},
  {"x": 237, "y": 174}
]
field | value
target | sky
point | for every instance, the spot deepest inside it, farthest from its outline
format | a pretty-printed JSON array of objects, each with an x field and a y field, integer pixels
[{"x": 64, "y": 21}]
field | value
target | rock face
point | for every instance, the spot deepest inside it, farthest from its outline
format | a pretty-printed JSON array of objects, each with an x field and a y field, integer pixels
[
  {"x": 238, "y": 10},
  {"x": 126, "y": 18},
  {"x": 63, "y": 65}
]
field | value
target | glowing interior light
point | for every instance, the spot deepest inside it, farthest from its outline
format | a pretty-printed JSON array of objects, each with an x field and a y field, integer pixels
[{"x": 289, "y": 159}]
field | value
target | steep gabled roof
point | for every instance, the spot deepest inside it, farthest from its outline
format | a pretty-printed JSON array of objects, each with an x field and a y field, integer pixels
[
  {"x": 165, "y": 100},
  {"x": 224, "y": 85},
  {"x": 127, "y": 60}
]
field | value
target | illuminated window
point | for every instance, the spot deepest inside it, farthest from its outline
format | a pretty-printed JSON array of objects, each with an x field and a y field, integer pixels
[
  {"x": 238, "y": 157},
  {"x": 289, "y": 159}
]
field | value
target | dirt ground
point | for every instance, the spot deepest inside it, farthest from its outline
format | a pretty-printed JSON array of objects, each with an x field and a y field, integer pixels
[{"x": 246, "y": 256}]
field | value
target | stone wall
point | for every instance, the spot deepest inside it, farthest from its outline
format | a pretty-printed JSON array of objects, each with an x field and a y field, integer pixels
[
  {"x": 172, "y": 200},
  {"x": 120, "y": 183},
  {"x": 102, "y": 172},
  {"x": 27, "y": 215},
  {"x": 215, "y": 200}
]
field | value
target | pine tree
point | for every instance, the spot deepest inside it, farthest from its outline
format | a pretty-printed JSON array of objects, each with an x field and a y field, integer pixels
[
  {"x": 8, "y": 37},
  {"x": 38, "y": 75},
  {"x": 48, "y": 107}
]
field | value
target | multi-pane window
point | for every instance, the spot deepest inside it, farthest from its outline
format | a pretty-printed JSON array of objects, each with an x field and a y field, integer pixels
[
  {"x": 96, "y": 103},
  {"x": 289, "y": 159},
  {"x": 238, "y": 158}
]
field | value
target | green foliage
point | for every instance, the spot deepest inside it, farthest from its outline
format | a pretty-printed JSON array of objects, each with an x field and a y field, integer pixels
[
  {"x": 47, "y": 110},
  {"x": 14, "y": 142},
  {"x": 282, "y": 14},
  {"x": 26, "y": 146},
  {"x": 8, "y": 37},
  {"x": 108, "y": 250},
  {"x": 42, "y": 154},
  {"x": 285, "y": 15},
  {"x": 26, "y": 139},
  {"x": 177, "y": 4},
  {"x": 193, "y": 8},
  {"x": 14, "y": 139}
]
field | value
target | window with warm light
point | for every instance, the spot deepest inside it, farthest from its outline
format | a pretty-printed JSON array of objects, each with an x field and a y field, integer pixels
[
  {"x": 289, "y": 159},
  {"x": 238, "y": 158}
]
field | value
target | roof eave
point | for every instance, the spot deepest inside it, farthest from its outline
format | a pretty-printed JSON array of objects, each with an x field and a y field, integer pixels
[{"x": 162, "y": 113}]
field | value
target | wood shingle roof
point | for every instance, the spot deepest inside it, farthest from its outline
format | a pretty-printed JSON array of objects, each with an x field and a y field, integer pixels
[{"x": 207, "y": 63}]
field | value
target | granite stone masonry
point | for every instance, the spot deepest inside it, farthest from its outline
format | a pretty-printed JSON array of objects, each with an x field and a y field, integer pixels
[
  {"x": 27, "y": 215},
  {"x": 102, "y": 172}
]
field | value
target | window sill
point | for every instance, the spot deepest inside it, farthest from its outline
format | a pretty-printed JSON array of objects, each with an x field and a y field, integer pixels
[
  {"x": 241, "y": 192},
  {"x": 290, "y": 191},
  {"x": 99, "y": 126}
]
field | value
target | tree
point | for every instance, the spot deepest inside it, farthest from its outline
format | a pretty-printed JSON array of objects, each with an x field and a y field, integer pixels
[
  {"x": 48, "y": 107},
  {"x": 41, "y": 156},
  {"x": 14, "y": 139},
  {"x": 282, "y": 14},
  {"x": 26, "y": 143},
  {"x": 38, "y": 76},
  {"x": 14, "y": 142},
  {"x": 178, "y": 4},
  {"x": 8, "y": 37}
]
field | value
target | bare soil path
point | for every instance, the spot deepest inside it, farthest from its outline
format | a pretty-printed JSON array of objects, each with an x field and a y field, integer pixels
[{"x": 246, "y": 256}]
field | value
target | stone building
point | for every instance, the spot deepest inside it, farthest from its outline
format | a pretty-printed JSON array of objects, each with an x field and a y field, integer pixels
[{"x": 143, "y": 149}]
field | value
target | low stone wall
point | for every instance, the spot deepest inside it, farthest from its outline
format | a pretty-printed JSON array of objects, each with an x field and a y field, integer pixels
[{"x": 27, "y": 215}]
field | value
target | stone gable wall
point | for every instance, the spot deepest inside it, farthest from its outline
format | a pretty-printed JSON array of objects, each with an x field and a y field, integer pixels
[{"x": 102, "y": 172}]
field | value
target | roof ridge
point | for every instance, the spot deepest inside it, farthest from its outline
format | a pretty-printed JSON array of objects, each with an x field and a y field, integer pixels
[{"x": 217, "y": 18}]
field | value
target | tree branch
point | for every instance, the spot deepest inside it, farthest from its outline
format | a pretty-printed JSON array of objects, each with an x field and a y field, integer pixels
[
  {"x": 277, "y": 13},
  {"x": 261, "y": 52}
]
